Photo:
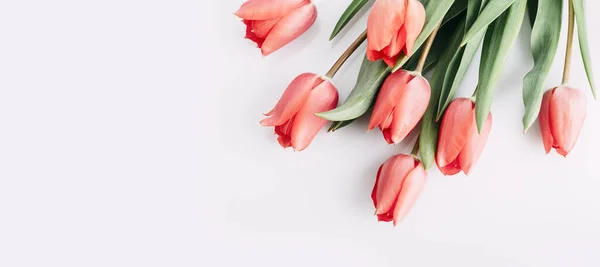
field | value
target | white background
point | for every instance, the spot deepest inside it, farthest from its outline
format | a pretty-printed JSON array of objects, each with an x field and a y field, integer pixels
[{"x": 129, "y": 136}]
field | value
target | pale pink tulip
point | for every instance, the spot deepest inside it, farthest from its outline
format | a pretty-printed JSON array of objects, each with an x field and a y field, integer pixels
[
  {"x": 294, "y": 116},
  {"x": 561, "y": 118},
  {"x": 399, "y": 183},
  {"x": 393, "y": 26},
  {"x": 272, "y": 24},
  {"x": 460, "y": 144},
  {"x": 401, "y": 103}
]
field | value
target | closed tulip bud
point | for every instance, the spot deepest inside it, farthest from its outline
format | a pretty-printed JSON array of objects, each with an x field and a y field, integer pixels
[
  {"x": 401, "y": 103},
  {"x": 294, "y": 116},
  {"x": 393, "y": 26},
  {"x": 399, "y": 183},
  {"x": 272, "y": 24},
  {"x": 460, "y": 144},
  {"x": 561, "y": 118}
]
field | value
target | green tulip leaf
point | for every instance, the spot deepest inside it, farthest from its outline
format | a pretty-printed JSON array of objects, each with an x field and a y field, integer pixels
[
  {"x": 351, "y": 11},
  {"x": 498, "y": 41},
  {"x": 579, "y": 8},
  {"x": 532, "y": 7},
  {"x": 435, "y": 11},
  {"x": 544, "y": 43},
  {"x": 456, "y": 9},
  {"x": 493, "y": 9}
]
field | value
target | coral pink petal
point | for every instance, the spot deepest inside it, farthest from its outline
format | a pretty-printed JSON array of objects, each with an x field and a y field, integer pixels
[
  {"x": 393, "y": 172},
  {"x": 374, "y": 192},
  {"x": 412, "y": 186},
  {"x": 268, "y": 9},
  {"x": 544, "y": 120},
  {"x": 413, "y": 24},
  {"x": 292, "y": 100},
  {"x": 451, "y": 169},
  {"x": 567, "y": 114},
  {"x": 261, "y": 28},
  {"x": 388, "y": 97},
  {"x": 390, "y": 61},
  {"x": 373, "y": 55},
  {"x": 474, "y": 147},
  {"x": 455, "y": 130},
  {"x": 306, "y": 124},
  {"x": 250, "y": 35},
  {"x": 289, "y": 28},
  {"x": 410, "y": 108},
  {"x": 385, "y": 19},
  {"x": 395, "y": 46}
]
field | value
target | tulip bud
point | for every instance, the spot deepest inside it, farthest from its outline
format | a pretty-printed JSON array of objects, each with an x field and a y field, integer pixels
[
  {"x": 402, "y": 101},
  {"x": 294, "y": 116},
  {"x": 399, "y": 183},
  {"x": 393, "y": 26},
  {"x": 561, "y": 118},
  {"x": 460, "y": 144},
  {"x": 272, "y": 24}
]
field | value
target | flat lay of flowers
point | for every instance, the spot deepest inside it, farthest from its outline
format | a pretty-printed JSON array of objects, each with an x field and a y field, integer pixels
[{"x": 407, "y": 41}]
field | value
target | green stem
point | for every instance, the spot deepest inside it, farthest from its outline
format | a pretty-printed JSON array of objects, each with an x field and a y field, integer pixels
[
  {"x": 426, "y": 49},
  {"x": 569, "y": 52},
  {"x": 338, "y": 64}
]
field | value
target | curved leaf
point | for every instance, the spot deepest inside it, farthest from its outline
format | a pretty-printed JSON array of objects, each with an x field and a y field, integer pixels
[
  {"x": 497, "y": 43},
  {"x": 370, "y": 78},
  {"x": 532, "y": 7},
  {"x": 579, "y": 8},
  {"x": 492, "y": 11},
  {"x": 544, "y": 43},
  {"x": 456, "y": 9},
  {"x": 435, "y": 11},
  {"x": 350, "y": 12}
]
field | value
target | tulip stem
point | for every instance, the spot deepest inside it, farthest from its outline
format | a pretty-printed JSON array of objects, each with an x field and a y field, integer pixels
[
  {"x": 426, "y": 49},
  {"x": 338, "y": 64},
  {"x": 569, "y": 52},
  {"x": 415, "y": 149}
]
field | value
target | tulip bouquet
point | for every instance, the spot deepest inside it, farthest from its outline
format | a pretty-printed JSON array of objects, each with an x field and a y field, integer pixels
[{"x": 407, "y": 39}]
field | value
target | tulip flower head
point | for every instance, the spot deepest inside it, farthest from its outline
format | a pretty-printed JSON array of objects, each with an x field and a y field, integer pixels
[
  {"x": 460, "y": 144},
  {"x": 272, "y": 24},
  {"x": 393, "y": 26},
  {"x": 400, "y": 105},
  {"x": 399, "y": 183},
  {"x": 294, "y": 116},
  {"x": 561, "y": 118}
]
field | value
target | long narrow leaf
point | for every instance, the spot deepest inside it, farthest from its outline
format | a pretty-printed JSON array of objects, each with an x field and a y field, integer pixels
[
  {"x": 532, "y": 7},
  {"x": 498, "y": 41},
  {"x": 579, "y": 8},
  {"x": 492, "y": 10},
  {"x": 544, "y": 43},
  {"x": 435, "y": 11},
  {"x": 351, "y": 11}
]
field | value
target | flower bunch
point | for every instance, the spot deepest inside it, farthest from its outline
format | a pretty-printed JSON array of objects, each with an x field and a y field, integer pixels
[{"x": 405, "y": 40}]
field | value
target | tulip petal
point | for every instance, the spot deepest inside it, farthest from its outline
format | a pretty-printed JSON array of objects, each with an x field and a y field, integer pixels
[
  {"x": 412, "y": 186},
  {"x": 396, "y": 44},
  {"x": 284, "y": 132},
  {"x": 451, "y": 169},
  {"x": 268, "y": 9},
  {"x": 410, "y": 108},
  {"x": 261, "y": 28},
  {"x": 292, "y": 100},
  {"x": 374, "y": 192},
  {"x": 289, "y": 28},
  {"x": 544, "y": 120},
  {"x": 393, "y": 172},
  {"x": 455, "y": 130},
  {"x": 374, "y": 55},
  {"x": 385, "y": 20},
  {"x": 474, "y": 147},
  {"x": 388, "y": 97},
  {"x": 413, "y": 24},
  {"x": 250, "y": 35},
  {"x": 306, "y": 124},
  {"x": 567, "y": 114}
]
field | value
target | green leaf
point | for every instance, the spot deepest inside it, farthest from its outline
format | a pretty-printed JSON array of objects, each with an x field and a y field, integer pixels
[
  {"x": 336, "y": 125},
  {"x": 492, "y": 10},
  {"x": 435, "y": 11},
  {"x": 532, "y": 7},
  {"x": 429, "y": 126},
  {"x": 370, "y": 78},
  {"x": 350, "y": 12},
  {"x": 579, "y": 8},
  {"x": 544, "y": 43},
  {"x": 456, "y": 9},
  {"x": 461, "y": 61},
  {"x": 498, "y": 41}
]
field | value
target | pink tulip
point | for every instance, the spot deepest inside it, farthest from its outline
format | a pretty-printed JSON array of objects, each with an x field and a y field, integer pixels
[
  {"x": 401, "y": 103},
  {"x": 460, "y": 144},
  {"x": 272, "y": 24},
  {"x": 294, "y": 115},
  {"x": 399, "y": 183},
  {"x": 561, "y": 118},
  {"x": 393, "y": 26}
]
